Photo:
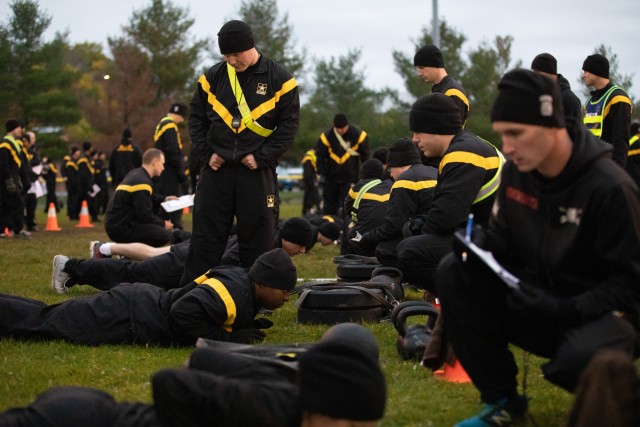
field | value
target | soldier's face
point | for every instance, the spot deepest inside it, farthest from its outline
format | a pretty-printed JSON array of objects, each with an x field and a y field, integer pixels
[
  {"x": 240, "y": 61},
  {"x": 271, "y": 298}
]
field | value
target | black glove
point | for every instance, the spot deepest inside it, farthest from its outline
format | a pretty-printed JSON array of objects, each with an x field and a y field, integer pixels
[
  {"x": 535, "y": 303},
  {"x": 414, "y": 226},
  {"x": 262, "y": 323},
  {"x": 247, "y": 336}
]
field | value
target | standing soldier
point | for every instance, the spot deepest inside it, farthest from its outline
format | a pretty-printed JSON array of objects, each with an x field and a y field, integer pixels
[
  {"x": 167, "y": 139},
  {"x": 33, "y": 160},
  {"x": 607, "y": 112},
  {"x": 11, "y": 188},
  {"x": 311, "y": 200},
  {"x": 86, "y": 180},
  {"x": 50, "y": 175},
  {"x": 244, "y": 116},
  {"x": 70, "y": 169},
  {"x": 430, "y": 66},
  {"x": 100, "y": 178},
  {"x": 125, "y": 157},
  {"x": 340, "y": 151}
]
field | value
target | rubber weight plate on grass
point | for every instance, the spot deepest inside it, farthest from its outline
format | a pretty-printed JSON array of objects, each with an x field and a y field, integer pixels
[
  {"x": 341, "y": 299},
  {"x": 331, "y": 317},
  {"x": 355, "y": 272}
]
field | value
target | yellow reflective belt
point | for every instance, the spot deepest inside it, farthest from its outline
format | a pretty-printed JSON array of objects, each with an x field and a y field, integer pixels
[
  {"x": 134, "y": 188},
  {"x": 226, "y": 298},
  {"x": 243, "y": 107}
]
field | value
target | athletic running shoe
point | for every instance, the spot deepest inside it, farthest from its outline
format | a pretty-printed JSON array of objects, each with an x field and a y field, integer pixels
[
  {"x": 59, "y": 277},
  {"x": 500, "y": 414},
  {"x": 94, "y": 250}
]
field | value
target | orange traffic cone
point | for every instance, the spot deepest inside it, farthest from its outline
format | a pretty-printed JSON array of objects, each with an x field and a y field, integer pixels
[
  {"x": 185, "y": 210},
  {"x": 52, "y": 219},
  {"x": 8, "y": 232},
  {"x": 453, "y": 373},
  {"x": 85, "y": 222}
]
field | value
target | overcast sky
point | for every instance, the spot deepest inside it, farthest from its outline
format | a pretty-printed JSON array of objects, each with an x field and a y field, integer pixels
[{"x": 568, "y": 29}]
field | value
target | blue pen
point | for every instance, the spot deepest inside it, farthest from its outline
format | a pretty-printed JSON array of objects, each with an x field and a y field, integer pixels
[{"x": 467, "y": 235}]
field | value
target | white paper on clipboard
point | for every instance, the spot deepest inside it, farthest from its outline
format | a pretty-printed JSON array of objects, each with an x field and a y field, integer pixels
[
  {"x": 488, "y": 259},
  {"x": 179, "y": 203}
]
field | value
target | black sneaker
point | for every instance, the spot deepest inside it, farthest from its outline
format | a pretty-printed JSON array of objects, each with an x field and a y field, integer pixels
[
  {"x": 504, "y": 412},
  {"x": 94, "y": 250}
]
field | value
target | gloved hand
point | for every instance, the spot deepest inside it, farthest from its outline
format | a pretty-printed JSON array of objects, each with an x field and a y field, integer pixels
[
  {"x": 262, "y": 323},
  {"x": 247, "y": 336},
  {"x": 535, "y": 303},
  {"x": 414, "y": 226}
]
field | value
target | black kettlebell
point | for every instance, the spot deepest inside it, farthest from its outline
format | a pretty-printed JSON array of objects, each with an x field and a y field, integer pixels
[
  {"x": 413, "y": 340},
  {"x": 390, "y": 275}
]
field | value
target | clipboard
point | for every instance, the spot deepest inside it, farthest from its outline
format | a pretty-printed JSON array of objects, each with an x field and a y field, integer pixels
[{"x": 487, "y": 259}]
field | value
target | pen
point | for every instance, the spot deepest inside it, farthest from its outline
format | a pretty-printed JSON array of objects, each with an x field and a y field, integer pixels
[{"x": 467, "y": 235}]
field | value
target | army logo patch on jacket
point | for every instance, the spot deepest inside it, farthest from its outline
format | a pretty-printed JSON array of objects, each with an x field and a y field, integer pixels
[
  {"x": 262, "y": 89},
  {"x": 271, "y": 201}
]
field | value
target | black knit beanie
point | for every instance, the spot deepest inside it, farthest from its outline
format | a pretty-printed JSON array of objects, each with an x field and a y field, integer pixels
[
  {"x": 234, "y": 37},
  {"x": 340, "y": 120},
  {"x": 546, "y": 63},
  {"x": 296, "y": 230},
  {"x": 329, "y": 230},
  {"x": 126, "y": 134},
  {"x": 274, "y": 269},
  {"x": 371, "y": 169},
  {"x": 403, "y": 152},
  {"x": 11, "y": 124},
  {"x": 341, "y": 380},
  {"x": 529, "y": 98},
  {"x": 428, "y": 56},
  {"x": 436, "y": 114},
  {"x": 179, "y": 109},
  {"x": 381, "y": 153},
  {"x": 597, "y": 64}
]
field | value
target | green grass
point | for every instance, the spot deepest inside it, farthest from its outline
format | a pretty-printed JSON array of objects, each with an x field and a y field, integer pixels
[{"x": 415, "y": 396}]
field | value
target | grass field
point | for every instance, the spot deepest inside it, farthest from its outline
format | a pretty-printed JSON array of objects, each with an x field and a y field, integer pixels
[{"x": 415, "y": 396}]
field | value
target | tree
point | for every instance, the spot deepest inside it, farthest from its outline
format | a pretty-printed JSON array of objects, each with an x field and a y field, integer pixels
[
  {"x": 161, "y": 30},
  {"x": 273, "y": 34},
  {"x": 39, "y": 89},
  {"x": 488, "y": 65}
]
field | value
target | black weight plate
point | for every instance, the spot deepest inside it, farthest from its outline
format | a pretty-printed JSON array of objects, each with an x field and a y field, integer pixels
[
  {"x": 331, "y": 317},
  {"x": 341, "y": 298},
  {"x": 355, "y": 271}
]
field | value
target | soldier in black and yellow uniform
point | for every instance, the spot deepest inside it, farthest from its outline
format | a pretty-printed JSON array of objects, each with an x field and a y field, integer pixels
[
  {"x": 607, "y": 112},
  {"x": 468, "y": 179},
  {"x": 366, "y": 205},
  {"x": 30, "y": 198},
  {"x": 244, "y": 117},
  {"x": 70, "y": 173},
  {"x": 340, "y": 152},
  {"x": 100, "y": 178},
  {"x": 130, "y": 216},
  {"x": 124, "y": 157},
  {"x": 430, "y": 66},
  {"x": 311, "y": 200},
  {"x": 633, "y": 160},
  {"x": 86, "y": 180},
  {"x": 167, "y": 139},
  {"x": 11, "y": 185},
  {"x": 50, "y": 175},
  {"x": 219, "y": 305},
  {"x": 411, "y": 195}
]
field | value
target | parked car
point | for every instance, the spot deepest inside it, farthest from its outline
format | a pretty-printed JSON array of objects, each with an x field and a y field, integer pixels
[{"x": 289, "y": 178}]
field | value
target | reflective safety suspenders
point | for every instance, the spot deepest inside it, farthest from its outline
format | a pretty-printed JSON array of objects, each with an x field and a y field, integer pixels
[
  {"x": 368, "y": 186},
  {"x": 595, "y": 112},
  {"x": 494, "y": 183},
  {"x": 243, "y": 107}
]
